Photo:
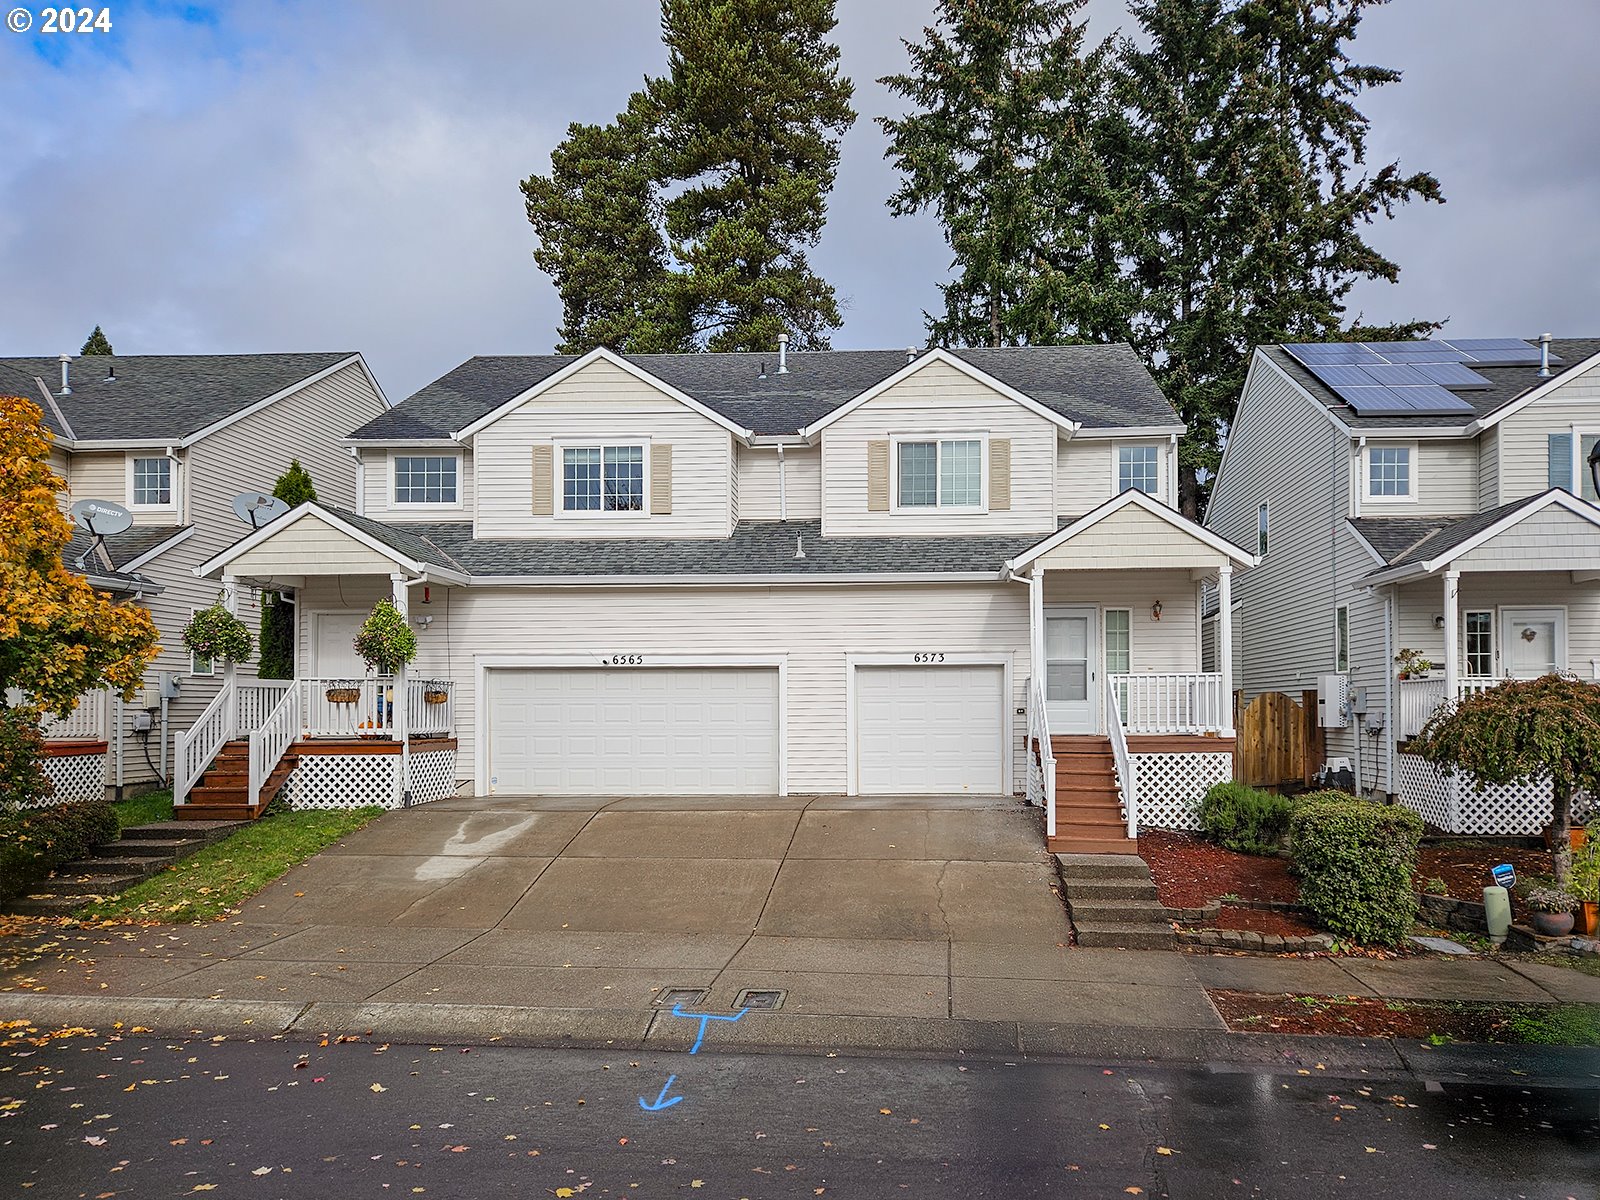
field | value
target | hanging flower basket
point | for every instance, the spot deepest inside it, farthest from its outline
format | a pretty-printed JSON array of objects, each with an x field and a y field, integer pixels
[
  {"x": 342, "y": 691},
  {"x": 215, "y": 633},
  {"x": 435, "y": 692}
]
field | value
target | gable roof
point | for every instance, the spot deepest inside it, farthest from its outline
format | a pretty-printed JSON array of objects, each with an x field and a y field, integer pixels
[
  {"x": 1137, "y": 499},
  {"x": 1451, "y": 541},
  {"x": 1507, "y": 385},
  {"x": 1099, "y": 387},
  {"x": 162, "y": 397},
  {"x": 1390, "y": 537},
  {"x": 406, "y": 547}
]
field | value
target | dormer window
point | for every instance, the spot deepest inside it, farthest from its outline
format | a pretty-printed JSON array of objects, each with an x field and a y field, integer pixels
[
  {"x": 945, "y": 473},
  {"x": 602, "y": 479},
  {"x": 424, "y": 479},
  {"x": 1391, "y": 473},
  {"x": 1139, "y": 467}
]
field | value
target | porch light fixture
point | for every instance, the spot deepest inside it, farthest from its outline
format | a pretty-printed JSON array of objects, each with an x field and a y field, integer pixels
[
  {"x": 1155, "y": 611},
  {"x": 1438, "y": 621}
]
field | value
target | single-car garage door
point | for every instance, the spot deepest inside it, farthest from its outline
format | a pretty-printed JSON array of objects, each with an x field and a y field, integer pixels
[
  {"x": 655, "y": 731},
  {"x": 929, "y": 729}
]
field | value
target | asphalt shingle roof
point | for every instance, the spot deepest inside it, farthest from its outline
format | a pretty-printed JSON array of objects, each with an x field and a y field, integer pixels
[
  {"x": 160, "y": 396},
  {"x": 1393, "y": 536},
  {"x": 1454, "y": 534},
  {"x": 123, "y": 547},
  {"x": 1101, "y": 387},
  {"x": 1508, "y": 383}
]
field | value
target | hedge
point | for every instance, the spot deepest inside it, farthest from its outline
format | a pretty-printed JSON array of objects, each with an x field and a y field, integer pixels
[
  {"x": 1246, "y": 819},
  {"x": 1356, "y": 861},
  {"x": 34, "y": 844}
]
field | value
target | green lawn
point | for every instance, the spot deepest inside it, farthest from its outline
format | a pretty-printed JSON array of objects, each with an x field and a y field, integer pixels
[
  {"x": 142, "y": 810},
  {"x": 221, "y": 877}
]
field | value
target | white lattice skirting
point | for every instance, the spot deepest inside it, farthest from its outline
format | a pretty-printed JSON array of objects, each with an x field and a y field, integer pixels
[
  {"x": 1455, "y": 805},
  {"x": 1170, "y": 786},
  {"x": 360, "y": 780},
  {"x": 76, "y": 777}
]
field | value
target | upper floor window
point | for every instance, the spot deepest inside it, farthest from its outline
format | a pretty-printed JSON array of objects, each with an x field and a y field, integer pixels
[
  {"x": 425, "y": 479},
  {"x": 1341, "y": 638},
  {"x": 1139, "y": 467},
  {"x": 151, "y": 483},
  {"x": 941, "y": 474},
  {"x": 1263, "y": 521},
  {"x": 1390, "y": 473},
  {"x": 602, "y": 479}
]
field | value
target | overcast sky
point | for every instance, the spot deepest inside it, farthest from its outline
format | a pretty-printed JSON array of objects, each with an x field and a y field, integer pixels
[{"x": 324, "y": 175}]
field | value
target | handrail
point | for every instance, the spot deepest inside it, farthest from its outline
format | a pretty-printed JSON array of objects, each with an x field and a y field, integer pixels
[
  {"x": 426, "y": 714},
  {"x": 272, "y": 739},
  {"x": 1170, "y": 702},
  {"x": 199, "y": 744},
  {"x": 1041, "y": 752},
  {"x": 258, "y": 697},
  {"x": 1419, "y": 699},
  {"x": 1119, "y": 750},
  {"x": 348, "y": 708}
]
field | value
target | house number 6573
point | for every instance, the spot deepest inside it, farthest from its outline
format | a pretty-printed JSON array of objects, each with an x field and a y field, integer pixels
[
  {"x": 623, "y": 660},
  {"x": 927, "y": 657}
]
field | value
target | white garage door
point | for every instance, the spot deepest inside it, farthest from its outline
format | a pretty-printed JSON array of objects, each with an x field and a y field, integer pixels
[
  {"x": 654, "y": 731},
  {"x": 929, "y": 729}
]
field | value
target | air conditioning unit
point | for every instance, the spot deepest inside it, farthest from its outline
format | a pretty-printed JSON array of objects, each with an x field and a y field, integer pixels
[{"x": 1333, "y": 701}]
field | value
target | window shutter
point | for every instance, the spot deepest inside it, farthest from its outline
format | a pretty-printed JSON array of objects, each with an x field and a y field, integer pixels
[
  {"x": 1561, "y": 461},
  {"x": 999, "y": 474},
  {"x": 544, "y": 482},
  {"x": 660, "y": 479},
  {"x": 877, "y": 476}
]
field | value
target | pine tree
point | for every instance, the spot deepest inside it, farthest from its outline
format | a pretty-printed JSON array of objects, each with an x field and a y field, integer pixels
[
  {"x": 294, "y": 488},
  {"x": 97, "y": 343}
]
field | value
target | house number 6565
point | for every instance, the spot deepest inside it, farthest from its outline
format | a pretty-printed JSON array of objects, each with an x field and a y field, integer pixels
[{"x": 623, "y": 660}]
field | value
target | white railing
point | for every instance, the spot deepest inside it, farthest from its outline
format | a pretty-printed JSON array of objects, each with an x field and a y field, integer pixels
[
  {"x": 430, "y": 707},
  {"x": 1169, "y": 703},
  {"x": 1419, "y": 699},
  {"x": 274, "y": 735},
  {"x": 88, "y": 720},
  {"x": 199, "y": 744},
  {"x": 1119, "y": 751},
  {"x": 348, "y": 708},
  {"x": 257, "y": 698},
  {"x": 1041, "y": 758}
]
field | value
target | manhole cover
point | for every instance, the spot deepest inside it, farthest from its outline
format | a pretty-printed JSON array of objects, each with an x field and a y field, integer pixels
[
  {"x": 754, "y": 998},
  {"x": 671, "y": 996}
]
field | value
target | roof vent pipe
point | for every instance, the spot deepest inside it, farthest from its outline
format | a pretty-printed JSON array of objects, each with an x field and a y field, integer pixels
[
  {"x": 1544, "y": 355},
  {"x": 911, "y": 355},
  {"x": 783, "y": 354},
  {"x": 111, "y": 374},
  {"x": 66, "y": 388},
  {"x": 799, "y": 546}
]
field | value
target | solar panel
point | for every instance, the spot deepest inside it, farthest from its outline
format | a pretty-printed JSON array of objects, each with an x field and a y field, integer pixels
[
  {"x": 1426, "y": 351},
  {"x": 1395, "y": 375},
  {"x": 1427, "y": 400},
  {"x": 1456, "y": 376},
  {"x": 1501, "y": 352},
  {"x": 1338, "y": 375},
  {"x": 1310, "y": 353}
]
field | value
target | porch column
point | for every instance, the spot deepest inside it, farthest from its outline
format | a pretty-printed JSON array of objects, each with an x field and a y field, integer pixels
[
  {"x": 1452, "y": 625},
  {"x": 401, "y": 590},
  {"x": 230, "y": 689},
  {"x": 1225, "y": 644},
  {"x": 1036, "y": 628}
]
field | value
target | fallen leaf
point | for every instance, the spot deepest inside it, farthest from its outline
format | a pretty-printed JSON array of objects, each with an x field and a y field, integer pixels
[
  {"x": 204, "y": 1187},
  {"x": 1163, "y": 1150},
  {"x": 565, "y": 1192},
  {"x": 1134, "y": 1191},
  {"x": 262, "y": 1171},
  {"x": 697, "y": 1183},
  {"x": 885, "y": 1111},
  {"x": 378, "y": 1087}
]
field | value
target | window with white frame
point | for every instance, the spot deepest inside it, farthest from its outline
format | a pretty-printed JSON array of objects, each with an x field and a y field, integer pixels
[
  {"x": 1119, "y": 650},
  {"x": 1262, "y": 522},
  {"x": 1389, "y": 473},
  {"x": 198, "y": 665},
  {"x": 1139, "y": 467},
  {"x": 941, "y": 474},
  {"x": 602, "y": 479},
  {"x": 1478, "y": 644},
  {"x": 150, "y": 483},
  {"x": 1341, "y": 638},
  {"x": 425, "y": 478}
]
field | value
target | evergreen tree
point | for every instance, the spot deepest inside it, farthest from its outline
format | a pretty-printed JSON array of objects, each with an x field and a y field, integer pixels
[
  {"x": 97, "y": 343},
  {"x": 294, "y": 488}
]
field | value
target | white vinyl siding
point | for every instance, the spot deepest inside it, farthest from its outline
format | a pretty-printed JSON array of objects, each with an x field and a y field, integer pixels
[
  {"x": 1495, "y": 591},
  {"x": 604, "y": 406},
  {"x": 378, "y": 486},
  {"x": 1132, "y": 537},
  {"x": 1089, "y": 471},
  {"x": 1489, "y": 468},
  {"x": 758, "y": 483},
  {"x": 1169, "y": 644},
  {"x": 938, "y": 402},
  {"x": 1523, "y": 436},
  {"x": 108, "y": 475}
]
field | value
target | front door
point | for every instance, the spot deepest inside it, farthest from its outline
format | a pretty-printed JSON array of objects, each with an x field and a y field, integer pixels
[
  {"x": 336, "y": 656},
  {"x": 1070, "y": 680},
  {"x": 1533, "y": 641}
]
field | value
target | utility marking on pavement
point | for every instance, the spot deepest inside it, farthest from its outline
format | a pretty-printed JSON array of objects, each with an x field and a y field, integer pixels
[
  {"x": 661, "y": 1100},
  {"x": 705, "y": 1019}
]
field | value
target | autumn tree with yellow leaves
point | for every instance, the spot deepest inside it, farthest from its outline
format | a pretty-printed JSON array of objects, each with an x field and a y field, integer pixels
[{"x": 59, "y": 637}]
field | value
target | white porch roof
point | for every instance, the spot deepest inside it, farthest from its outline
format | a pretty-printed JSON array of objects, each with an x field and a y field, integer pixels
[
  {"x": 1132, "y": 531},
  {"x": 314, "y": 540},
  {"x": 1553, "y": 531}
]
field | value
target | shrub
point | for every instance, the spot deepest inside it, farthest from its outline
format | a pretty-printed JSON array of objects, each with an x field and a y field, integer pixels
[
  {"x": 1356, "y": 861},
  {"x": 385, "y": 640},
  {"x": 36, "y": 843},
  {"x": 23, "y": 781},
  {"x": 1244, "y": 818}
]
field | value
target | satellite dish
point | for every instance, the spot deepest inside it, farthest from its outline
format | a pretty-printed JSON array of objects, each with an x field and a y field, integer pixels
[
  {"x": 101, "y": 517},
  {"x": 256, "y": 509}
]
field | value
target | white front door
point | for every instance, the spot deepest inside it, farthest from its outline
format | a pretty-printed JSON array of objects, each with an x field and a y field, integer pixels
[
  {"x": 336, "y": 656},
  {"x": 1071, "y": 682},
  {"x": 1533, "y": 641}
]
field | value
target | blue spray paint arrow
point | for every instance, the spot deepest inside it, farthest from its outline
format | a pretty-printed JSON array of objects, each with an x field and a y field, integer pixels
[
  {"x": 661, "y": 1100},
  {"x": 705, "y": 1019}
]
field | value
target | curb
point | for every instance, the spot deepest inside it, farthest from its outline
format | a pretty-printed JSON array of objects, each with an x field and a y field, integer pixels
[{"x": 1215, "y": 1050}]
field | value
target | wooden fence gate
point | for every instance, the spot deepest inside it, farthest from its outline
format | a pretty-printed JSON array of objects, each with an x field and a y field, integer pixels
[{"x": 1279, "y": 741}]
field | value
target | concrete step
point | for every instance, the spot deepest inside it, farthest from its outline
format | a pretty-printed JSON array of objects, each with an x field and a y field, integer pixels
[
  {"x": 1120, "y": 912},
  {"x": 46, "y": 905},
  {"x": 1086, "y": 868},
  {"x": 1127, "y": 937},
  {"x": 92, "y": 883},
  {"x": 1077, "y": 890},
  {"x": 111, "y": 864},
  {"x": 182, "y": 831},
  {"x": 166, "y": 848}
]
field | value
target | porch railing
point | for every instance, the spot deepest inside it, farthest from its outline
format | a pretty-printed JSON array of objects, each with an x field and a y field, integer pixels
[
  {"x": 257, "y": 698},
  {"x": 273, "y": 736},
  {"x": 348, "y": 707},
  {"x": 1119, "y": 752},
  {"x": 1041, "y": 757},
  {"x": 201, "y": 743},
  {"x": 1419, "y": 699},
  {"x": 87, "y": 721},
  {"x": 430, "y": 707},
  {"x": 1162, "y": 702}
]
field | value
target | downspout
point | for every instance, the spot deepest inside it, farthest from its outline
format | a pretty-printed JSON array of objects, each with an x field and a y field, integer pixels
[
  {"x": 361, "y": 481},
  {"x": 1172, "y": 471},
  {"x": 783, "y": 489},
  {"x": 1390, "y": 603}
]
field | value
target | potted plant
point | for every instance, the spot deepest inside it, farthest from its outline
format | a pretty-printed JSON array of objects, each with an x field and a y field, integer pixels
[
  {"x": 1552, "y": 911},
  {"x": 1412, "y": 664},
  {"x": 342, "y": 691},
  {"x": 215, "y": 633},
  {"x": 435, "y": 691},
  {"x": 1584, "y": 882},
  {"x": 385, "y": 641}
]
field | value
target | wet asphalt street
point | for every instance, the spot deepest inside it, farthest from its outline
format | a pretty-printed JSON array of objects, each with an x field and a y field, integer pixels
[{"x": 82, "y": 1115}]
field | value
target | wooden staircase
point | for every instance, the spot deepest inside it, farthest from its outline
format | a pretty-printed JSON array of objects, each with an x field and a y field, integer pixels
[
  {"x": 223, "y": 793},
  {"x": 1088, "y": 805}
]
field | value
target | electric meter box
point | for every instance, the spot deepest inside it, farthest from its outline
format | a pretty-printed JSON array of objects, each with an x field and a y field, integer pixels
[{"x": 1333, "y": 697}]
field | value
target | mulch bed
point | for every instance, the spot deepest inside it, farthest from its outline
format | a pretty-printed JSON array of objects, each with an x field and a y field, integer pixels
[
  {"x": 1188, "y": 872},
  {"x": 1465, "y": 868},
  {"x": 1261, "y": 921},
  {"x": 1360, "y": 1016}
]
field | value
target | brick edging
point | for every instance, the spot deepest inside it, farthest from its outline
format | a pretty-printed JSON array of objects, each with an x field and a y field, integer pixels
[{"x": 1248, "y": 939}]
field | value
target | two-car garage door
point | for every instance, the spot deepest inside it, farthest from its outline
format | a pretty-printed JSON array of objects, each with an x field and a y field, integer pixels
[{"x": 653, "y": 731}]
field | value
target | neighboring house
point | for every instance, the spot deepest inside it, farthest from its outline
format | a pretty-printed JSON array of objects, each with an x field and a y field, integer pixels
[
  {"x": 835, "y": 572},
  {"x": 1424, "y": 496},
  {"x": 173, "y": 438}
]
